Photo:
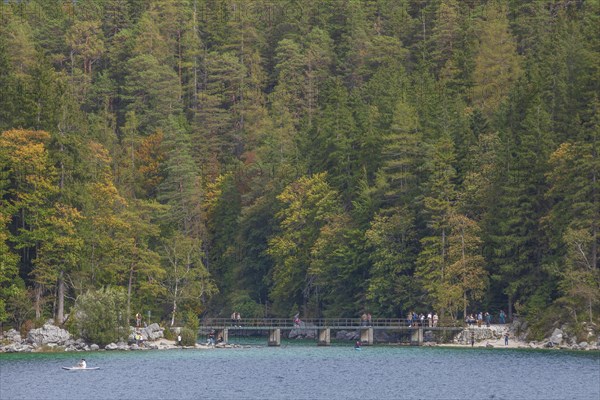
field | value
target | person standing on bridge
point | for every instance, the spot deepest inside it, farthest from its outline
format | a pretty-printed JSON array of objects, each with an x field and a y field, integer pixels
[
  {"x": 369, "y": 319},
  {"x": 435, "y": 319},
  {"x": 238, "y": 319}
]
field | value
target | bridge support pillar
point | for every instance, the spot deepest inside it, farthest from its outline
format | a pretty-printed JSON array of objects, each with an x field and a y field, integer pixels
[
  {"x": 324, "y": 337},
  {"x": 275, "y": 337},
  {"x": 366, "y": 336},
  {"x": 224, "y": 335},
  {"x": 416, "y": 337}
]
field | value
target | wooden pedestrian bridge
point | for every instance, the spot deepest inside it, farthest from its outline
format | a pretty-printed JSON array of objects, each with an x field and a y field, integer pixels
[{"x": 223, "y": 327}]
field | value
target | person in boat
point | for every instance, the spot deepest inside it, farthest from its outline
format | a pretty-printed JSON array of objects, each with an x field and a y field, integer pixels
[
  {"x": 82, "y": 364},
  {"x": 358, "y": 344}
]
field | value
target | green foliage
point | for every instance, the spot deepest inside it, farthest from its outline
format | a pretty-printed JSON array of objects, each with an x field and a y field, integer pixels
[
  {"x": 99, "y": 315},
  {"x": 188, "y": 336},
  {"x": 241, "y": 302},
  {"x": 342, "y": 155},
  {"x": 191, "y": 321}
]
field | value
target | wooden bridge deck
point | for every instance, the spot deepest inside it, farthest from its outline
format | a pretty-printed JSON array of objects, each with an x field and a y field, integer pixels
[{"x": 256, "y": 324}]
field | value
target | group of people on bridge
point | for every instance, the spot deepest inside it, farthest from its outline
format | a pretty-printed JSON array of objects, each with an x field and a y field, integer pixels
[
  {"x": 480, "y": 318},
  {"x": 431, "y": 319}
]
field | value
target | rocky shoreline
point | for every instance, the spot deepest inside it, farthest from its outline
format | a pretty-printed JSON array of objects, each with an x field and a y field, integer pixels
[
  {"x": 50, "y": 338},
  {"x": 493, "y": 337},
  {"x": 53, "y": 338}
]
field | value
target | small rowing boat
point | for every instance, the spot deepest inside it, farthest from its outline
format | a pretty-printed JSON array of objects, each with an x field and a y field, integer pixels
[{"x": 80, "y": 368}]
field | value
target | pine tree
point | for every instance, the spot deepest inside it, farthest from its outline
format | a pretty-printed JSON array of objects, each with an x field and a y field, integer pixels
[
  {"x": 439, "y": 203},
  {"x": 309, "y": 205},
  {"x": 497, "y": 65},
  {"x": 181, "y": 188}
]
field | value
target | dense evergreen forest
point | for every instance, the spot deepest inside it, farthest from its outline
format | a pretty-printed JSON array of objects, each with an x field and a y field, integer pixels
[{"x": 326, "y": 157}]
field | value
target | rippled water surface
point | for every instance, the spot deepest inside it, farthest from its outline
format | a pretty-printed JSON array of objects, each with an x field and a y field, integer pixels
[{"x": 305, "y": 372}]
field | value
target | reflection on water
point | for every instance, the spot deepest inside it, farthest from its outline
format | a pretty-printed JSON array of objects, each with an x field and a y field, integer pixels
[{"x": 305, "y": 372}]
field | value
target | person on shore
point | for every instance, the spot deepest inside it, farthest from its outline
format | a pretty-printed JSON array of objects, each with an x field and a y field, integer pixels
[
  {"x": 488, "y": 319},
  {"x": 479, "y": 319},
  {"x": 472, "y": 339},
  {"x": 82, "y": 363},
  {"x": 506, "y": 339},
  {"x": 363, "y": 319},
  {"x": 429, "y": 319},
  {"x": 138, "y": 320},
  {"x": 211, "y": 338},
  {"x": 369, "y": 319},
  {"x": 435, "y": 320},
  {"x": 502, "y": 317},
  {"x": 179, "y": 340},
  {"x": 297, "y": 319}
]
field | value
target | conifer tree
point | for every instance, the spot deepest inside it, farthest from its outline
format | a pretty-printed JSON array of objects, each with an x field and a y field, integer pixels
[{"x": 497, "y": 65}]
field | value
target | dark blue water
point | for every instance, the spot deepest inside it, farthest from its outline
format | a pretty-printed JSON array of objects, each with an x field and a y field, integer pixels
[{"x": 305, "y": 372}]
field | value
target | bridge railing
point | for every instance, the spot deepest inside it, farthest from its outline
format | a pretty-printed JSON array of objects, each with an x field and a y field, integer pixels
[{"x": 308, "y": 323}]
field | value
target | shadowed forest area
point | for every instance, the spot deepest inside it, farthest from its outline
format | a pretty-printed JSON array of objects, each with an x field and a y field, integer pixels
[{"x": 275, "y": 157}]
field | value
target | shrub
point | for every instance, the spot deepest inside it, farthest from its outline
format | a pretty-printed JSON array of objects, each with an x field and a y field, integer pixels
[
  {"x": 98, "y": 315},
  {"x": 188, "y": 337},
  {"x": 169, "y": 334},
  {"x": 191, "y": 321},
  {"x": 242, "y": 302}
]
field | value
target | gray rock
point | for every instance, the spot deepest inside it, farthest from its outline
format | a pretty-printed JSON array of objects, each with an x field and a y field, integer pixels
[
  {"x": 111, "y": 346},
  {"x": 48, "y": 334},
  {"x": 583, "y": 345},
  {"x": 341, "y": 335},
  {"x": 18, "y": 348},
  {"x": 13, "y": 336},
  {"x": 557, "y": 337},
  {"x": 122, "y": 346},
  {"x": 382, "y": 336},
  {"x": 94, "y": 347},
  {"x": 347, "y": 335},
  {"x": 479, "y": 334},
  {"x": 303, "y": 331},
  {"x": 152, "y": 332}
]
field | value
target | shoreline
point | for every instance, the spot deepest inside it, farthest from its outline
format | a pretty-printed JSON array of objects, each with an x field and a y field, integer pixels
[
  {"x": 165, "y": 344},
  {"x": 50, "y": 339}
]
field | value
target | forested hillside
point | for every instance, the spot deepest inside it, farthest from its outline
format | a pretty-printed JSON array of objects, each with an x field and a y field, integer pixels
[{"x": 324, "y": 157}]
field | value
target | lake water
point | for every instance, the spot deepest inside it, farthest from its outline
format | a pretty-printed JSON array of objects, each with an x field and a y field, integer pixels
[{"x": 305, "y": 372}]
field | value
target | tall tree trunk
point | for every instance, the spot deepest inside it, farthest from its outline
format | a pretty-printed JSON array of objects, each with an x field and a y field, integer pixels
[
  {"x": 60, "y": 314},
  {"x": 174, "y": 303},
  {"x": 129, "y": 285},
  {"x": 38, "y": 301}
]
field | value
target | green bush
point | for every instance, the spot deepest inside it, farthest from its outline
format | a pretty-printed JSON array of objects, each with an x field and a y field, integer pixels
[
  {"x": 99, "y": 315},
  {"x": 242, "y": 302},
  {"x": 169, "y": 334},
  {"x": 188, "y": 337},
  {"x": 191, "y": 321}
]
